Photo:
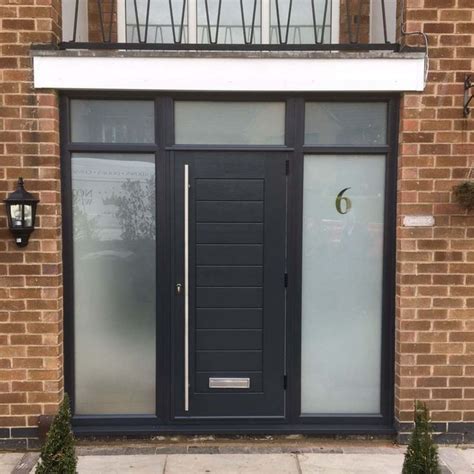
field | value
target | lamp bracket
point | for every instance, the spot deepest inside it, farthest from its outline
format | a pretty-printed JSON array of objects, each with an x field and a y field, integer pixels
[{"x": 468, "y": 94}]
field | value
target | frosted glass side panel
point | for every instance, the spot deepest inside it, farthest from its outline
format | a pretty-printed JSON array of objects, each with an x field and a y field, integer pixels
[
  {"x": 345, "y": 123},
  {"x": 230, "y": 123},
  {"x": 112, "y": 121},
  {"x": 342, "y": 284},
  {"x": 114, "y": 283}
]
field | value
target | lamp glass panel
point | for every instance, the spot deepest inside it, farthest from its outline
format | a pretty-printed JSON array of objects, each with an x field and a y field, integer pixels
[
  {"x": 16, "y": 215},
  {"x": 28, "y": 213},
  {"x": 114, "y": 283}
]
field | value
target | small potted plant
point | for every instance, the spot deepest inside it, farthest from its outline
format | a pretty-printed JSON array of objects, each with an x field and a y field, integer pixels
[{"x": 464, "y": 194}]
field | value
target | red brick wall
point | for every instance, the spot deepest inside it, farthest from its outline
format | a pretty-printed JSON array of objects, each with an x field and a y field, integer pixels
[
  {"x": 31, "y": 377},
  {"x": 435, "y": 281},
  {"x": 358, "y": 12},
  {"x": 107, "y": 29}
]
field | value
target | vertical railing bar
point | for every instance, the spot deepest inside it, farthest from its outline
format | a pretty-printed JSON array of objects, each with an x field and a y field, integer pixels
[
  {"x": 218, "y": 20},
  {"x": 384, "y": 18},
  {"x": 359, "y": 16},
  {"x": 137, "y": 21},
  {"x": 348, "y": 20},
  {"x": 244, "y": 26},
  {"x": 290, "y": 8},
  {"x": 172, "y": 21},
  {"x": 277, "y": 11},
  {"x": 326, "y": 8},
  {"x": 313, "y": 11},
  {"x": 111, "y": 21},
  {"x": 76, "y": 15},
  {"x": 183, "y": 16},
  {"x": 101, "y": 21},
  {"x": 147, "y": 20},
  {"x": 206, "y": 5}
]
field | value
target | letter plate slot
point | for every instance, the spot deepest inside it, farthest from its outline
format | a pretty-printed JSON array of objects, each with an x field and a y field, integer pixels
[{"x": 215, "y": 382}]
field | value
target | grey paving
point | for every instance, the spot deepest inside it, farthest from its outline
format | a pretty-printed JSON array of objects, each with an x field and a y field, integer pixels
[
  {"x": 8, "y": 461},
  {"x": 232, "y": 464},
  {"x": 455, "y": 460},
  {"x": 351, "y": 463},
  {"x": 26, "y": 463},
  {"x": 242, "y": 459},
  {"x": 144, "y": 464},
  {"x": 467, "y": 455}
]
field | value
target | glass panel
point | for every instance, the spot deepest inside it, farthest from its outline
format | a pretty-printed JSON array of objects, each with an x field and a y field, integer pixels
[
  {"x": 302, "y": 18},
  {"x": 28, "y": 210},
  {"x": 230, "y": 123},
  {"x": 346, "y": 123},
  {"x": 15, "y": 213},
  {"x": 166, "y": 22},
  {"x": 114, "y": 283},
  {"x": 112, "y": 121},
  {"x": 231, "y": 25},
  {"x": 342, "y": 284}
]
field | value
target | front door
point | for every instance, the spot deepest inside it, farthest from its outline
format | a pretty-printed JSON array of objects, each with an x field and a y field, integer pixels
[{"x": 229, "y": 269}]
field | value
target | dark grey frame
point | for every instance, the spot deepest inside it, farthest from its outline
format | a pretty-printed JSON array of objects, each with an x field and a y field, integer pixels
[{"x": 295, "y": 148}]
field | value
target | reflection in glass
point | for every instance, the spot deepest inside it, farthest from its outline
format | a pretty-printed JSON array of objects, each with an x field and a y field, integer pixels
[
  {"x": 230, "y": 123},
  {"x": 167, "y": 22},
  {"x": 235, "y": 19},
  {"x": 15, "y": 213},
  {"x": 346, "y": 123},
  {"x": 112, "y": 121},
  {"x": 114, "y": 283},
  {"x": 292, "y": 22},
  {"x": 342, "y": 284}
]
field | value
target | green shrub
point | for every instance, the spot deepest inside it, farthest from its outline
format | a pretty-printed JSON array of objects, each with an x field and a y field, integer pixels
[
  {"x": 422, "y": 454},
  {"x": 57, "y": 454}
]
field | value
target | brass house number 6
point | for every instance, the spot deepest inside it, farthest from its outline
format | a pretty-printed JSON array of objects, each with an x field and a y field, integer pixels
[{"x": 343, "y": 199}]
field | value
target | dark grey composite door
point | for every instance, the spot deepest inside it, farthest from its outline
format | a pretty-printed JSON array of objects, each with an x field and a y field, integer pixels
[{"x": 235, "y": 255}]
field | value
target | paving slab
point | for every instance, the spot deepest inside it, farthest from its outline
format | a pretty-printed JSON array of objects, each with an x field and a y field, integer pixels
[
  {"x": 144, "y": 464},
  {"x": 232, "y": 464},
  {"x": 469, "y": 456},
  {"x": 351, "y": 463},
  {"x": 8, "y": 461},
  {"x": 455, "y": 460}
]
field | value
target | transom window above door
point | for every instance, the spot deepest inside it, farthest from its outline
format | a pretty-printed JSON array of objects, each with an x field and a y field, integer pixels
[{"x": 229, "y": 21}]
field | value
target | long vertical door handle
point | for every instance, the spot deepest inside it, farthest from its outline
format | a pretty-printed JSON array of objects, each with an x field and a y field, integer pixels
[{"x": 186, "y": 287}]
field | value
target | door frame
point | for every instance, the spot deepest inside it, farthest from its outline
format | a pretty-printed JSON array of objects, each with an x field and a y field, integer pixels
[{"x": 294, "y": 135}]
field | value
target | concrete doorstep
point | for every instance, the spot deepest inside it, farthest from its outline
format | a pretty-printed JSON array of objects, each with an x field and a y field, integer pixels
[{"x": 345, "y": 460}]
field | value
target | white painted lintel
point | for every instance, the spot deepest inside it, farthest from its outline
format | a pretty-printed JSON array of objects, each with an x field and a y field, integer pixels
[{"x": 230, "y": 74}]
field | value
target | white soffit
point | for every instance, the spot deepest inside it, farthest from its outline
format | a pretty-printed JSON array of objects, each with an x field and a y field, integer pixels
[{"x": 230, "y": 74}]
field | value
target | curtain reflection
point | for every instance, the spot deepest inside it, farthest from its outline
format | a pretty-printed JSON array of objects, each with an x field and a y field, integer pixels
[{"x": 114, "y": 283}]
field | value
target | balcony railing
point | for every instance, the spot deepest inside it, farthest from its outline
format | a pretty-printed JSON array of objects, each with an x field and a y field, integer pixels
[{"x": 230, "y": 24}]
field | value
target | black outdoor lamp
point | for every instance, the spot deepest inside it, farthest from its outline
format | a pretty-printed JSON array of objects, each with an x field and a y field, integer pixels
[{"x": 21, "y": 213}]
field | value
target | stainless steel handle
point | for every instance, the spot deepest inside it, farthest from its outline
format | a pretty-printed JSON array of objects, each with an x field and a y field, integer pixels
[{"x": 186, "y": 287}]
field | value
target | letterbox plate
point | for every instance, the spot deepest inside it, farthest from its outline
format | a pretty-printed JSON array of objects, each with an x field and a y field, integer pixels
[{"x": 218, "y": 382}]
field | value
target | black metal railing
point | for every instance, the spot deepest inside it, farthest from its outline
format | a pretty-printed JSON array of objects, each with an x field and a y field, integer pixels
[{"x": 285, "y": 27}]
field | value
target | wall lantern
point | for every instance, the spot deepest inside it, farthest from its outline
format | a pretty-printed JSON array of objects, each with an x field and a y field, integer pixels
[{"x": 21, "y": 213}]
